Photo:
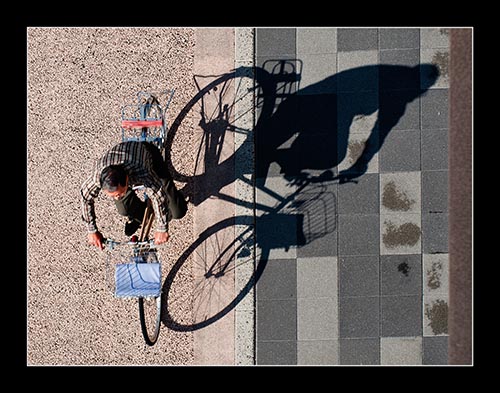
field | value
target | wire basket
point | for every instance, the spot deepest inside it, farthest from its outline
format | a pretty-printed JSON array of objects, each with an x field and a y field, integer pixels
[{"x": 133, "y": 273}]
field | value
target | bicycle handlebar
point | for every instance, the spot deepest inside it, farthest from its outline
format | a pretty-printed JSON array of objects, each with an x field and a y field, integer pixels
[{"x": 110, "y": 243}]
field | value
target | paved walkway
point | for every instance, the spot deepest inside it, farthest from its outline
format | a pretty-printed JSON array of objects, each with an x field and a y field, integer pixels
[{"x": 351, "y": 273}]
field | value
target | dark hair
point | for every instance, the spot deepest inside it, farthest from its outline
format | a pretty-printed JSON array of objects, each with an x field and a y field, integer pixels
[{"x": 113, "y": 176}]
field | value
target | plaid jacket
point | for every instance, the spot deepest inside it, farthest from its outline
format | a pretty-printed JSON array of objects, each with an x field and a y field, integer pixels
[{"x": 138, "y": 164}]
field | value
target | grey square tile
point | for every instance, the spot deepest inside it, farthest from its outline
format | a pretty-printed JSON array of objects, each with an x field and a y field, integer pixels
[
  {"x": 434, "y": 38},
  {"x": 360, "y": 146},
  {"x": 435, "y": 150},
  {"x": 358, "y": 234},
  {"x": 317, "y": 74},
  {"x": 400, "y": 192},
  {"x": 436, "y": 274},
  {"x": 276, "y": 352},
  {"x": 400, "y": 233},
  {"x": 317, "y": 207},
  {"x": 401, "y": 350},
  {"x": 278, "y": 280},
  {"x": 316, "y": 40},
  {"x": 361, "y": 197},
  {"x": 316, "y": 116},
  {"x": 435, "y": 191},
  {"x": 357, "y": 39},
  {"x": 399, "y": 110},
  {"x": 401, "y": 316},
  {"x": 435, "y": 68},
  {"x": 318, "y": 244},
  {"x": 317, "y": 318},
  {"x": 435, "y": 233},
  {"x": 399, "y": 38},
  {"x": 276, "y": 319},
  {"x": 359, "y": 351},
  {"x": 318, "y": 352},
  {"x": 317, "y": 277},
  {"x": 275, "y": 41},
  {"x": 400, "y": 152},
  {"x": 359, "y": 276},
  {"x": 435, "y": 350},
  {"x": 401, "y": 274},
  {"x": 277, "y": 235},
  {"x": 358, "y": 71},
  {"x": 356, "y": 112},
  {"x": 435, "y": 319},
  {"x": 359, "y": 316},
  {"x": 434, "y": 109},
  {"x": 399, "y": 69}
]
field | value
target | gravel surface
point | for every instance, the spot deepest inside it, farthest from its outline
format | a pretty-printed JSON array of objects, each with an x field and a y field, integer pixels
[{"x": 78, "y": 79}]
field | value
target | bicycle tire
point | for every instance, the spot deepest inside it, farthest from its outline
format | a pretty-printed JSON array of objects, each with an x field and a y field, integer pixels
[
  {"x": 150, "y": 327},
  {"x": 210, "y": 299}
]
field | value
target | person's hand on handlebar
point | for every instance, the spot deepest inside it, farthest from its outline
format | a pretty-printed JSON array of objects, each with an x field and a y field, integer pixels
[
  {"x": 96, "y": 239},
  {"x": 161, "y": 237}
]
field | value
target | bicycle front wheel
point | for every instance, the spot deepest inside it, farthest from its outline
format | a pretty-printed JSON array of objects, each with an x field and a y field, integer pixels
[{"x": 150, "y": 316}]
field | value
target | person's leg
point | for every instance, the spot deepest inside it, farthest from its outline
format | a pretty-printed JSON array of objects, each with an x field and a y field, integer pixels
[{"x": 131, "y": 206}]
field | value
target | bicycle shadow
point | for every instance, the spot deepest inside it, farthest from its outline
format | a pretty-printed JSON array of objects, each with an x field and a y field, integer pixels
[{"x": 301, "y": 134}]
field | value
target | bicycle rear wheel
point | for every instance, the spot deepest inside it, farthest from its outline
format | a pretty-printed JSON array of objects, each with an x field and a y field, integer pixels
[{"x": 150, "y": 316}]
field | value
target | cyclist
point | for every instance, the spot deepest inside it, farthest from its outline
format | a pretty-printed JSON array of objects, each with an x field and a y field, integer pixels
[{"x": 126, "y": 165}]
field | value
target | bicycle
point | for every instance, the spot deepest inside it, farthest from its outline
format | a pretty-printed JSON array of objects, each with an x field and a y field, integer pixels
[{"x": 135, "y": 264}]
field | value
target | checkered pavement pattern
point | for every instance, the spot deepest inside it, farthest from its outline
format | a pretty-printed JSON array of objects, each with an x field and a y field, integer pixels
[{"x": 353, "y": 273}]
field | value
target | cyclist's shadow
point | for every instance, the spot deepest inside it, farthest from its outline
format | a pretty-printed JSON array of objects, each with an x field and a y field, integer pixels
[
  {"x": 304, "y": 134},
  {"x": 316, "y": 120}
]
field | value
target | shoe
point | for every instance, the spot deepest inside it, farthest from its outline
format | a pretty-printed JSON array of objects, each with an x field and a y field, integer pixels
[{"x": 131, "y": 227}]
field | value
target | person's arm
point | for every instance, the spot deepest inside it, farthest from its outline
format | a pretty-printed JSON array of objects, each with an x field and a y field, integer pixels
[{"x": 89, "y": 192}]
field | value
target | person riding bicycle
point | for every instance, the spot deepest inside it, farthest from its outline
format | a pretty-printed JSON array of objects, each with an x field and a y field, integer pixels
[{"x": 124, "y": 166}]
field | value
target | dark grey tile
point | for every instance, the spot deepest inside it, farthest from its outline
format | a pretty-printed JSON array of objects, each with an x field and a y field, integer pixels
[
  {"x": 318, "y": 244},
  {"x": 435, "y": 350},
  {"x": 435, "y": 150},
  {"x": 276, "y": 320},
  {"x": 435, "y": 233},
  {"x": 277, "y": 231},
  {"x": 361, "y": 197},
  {"x": 401, "y": 316},
  {"x": 359, "y": 276},
  {"x": 358, "y": 79},
  {"x": 399, "y": 110},
  {"x": 400, "y": 152},
  {"x": 350, "y": 107},
  {"x": 399, "y": 38},
  {"x": 359, "y": 317},
  {"x": 434, "y": 191},
  {"x": 356, "y": 39},
  {"x": 358, "y": 234},
  {"x": 275, "y": 42},
  {"x": 359, "y": 351},
  {"x": 400, "y": 275},
  {"x": 317, "y": 207},
  {"x": 399, "y": 69},
  {"x": 276, "y": 352},
  {"x": 278, "y": 280},
  {"x": 434, "y": 109},
  {"x": 284, "y": 70}
]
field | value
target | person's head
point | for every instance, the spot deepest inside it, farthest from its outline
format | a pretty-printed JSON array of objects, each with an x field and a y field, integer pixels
[{"x": 114, "y": 181}]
